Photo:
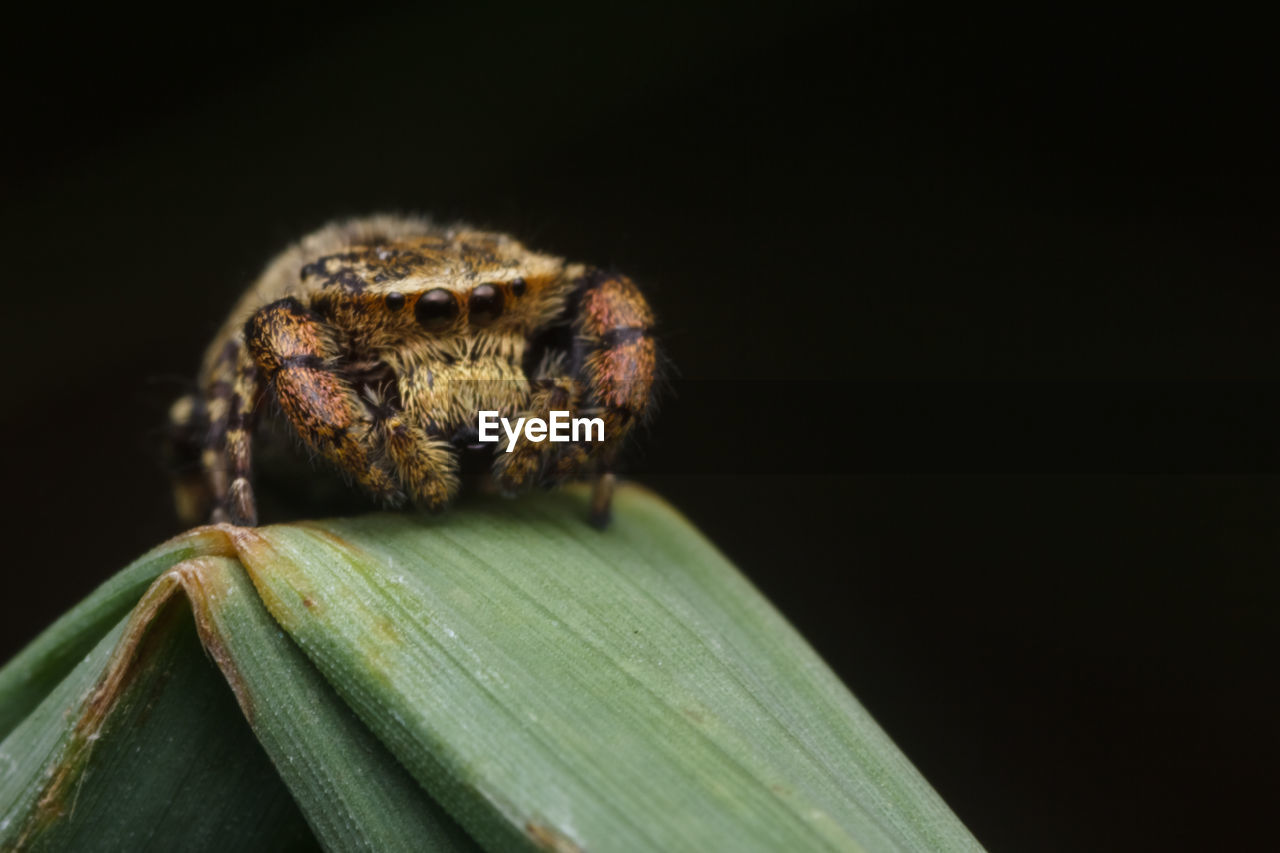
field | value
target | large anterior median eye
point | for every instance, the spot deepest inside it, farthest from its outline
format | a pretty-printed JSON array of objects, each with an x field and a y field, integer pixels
[
  {"x": 436, "y": 309},
  {"x": 485, "y": 305}
]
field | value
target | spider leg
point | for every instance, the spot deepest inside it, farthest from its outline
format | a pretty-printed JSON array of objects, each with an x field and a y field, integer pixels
[
  {"x": 188, "y": 427},
  {"x": 612, "y": 370},
  {"x": 615, "y": 355},
  {"x": 246, "y": 394},
  {"x": 292, "y": 350},
  {"x": 602, "y": 499},
  {"x": 526, "y": 463},
  {"x": 230, "y": 406},
  {"x": 427, "y": 467}
]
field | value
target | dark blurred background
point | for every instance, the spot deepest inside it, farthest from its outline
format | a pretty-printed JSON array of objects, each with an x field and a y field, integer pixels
[{"x": 960, "y": 215}]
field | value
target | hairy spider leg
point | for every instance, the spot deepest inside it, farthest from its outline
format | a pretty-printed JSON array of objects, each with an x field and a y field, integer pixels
[
  {"x": 230, "y": 404},
  {"x": 615, "y": 355},
  {"x": 612, "y": 370},
  {"x": 526, "y": 464},
  {"x": 427, "y": 467},
  {"x": 296, "y": 357},
  {"x": 185, "y": 442}
]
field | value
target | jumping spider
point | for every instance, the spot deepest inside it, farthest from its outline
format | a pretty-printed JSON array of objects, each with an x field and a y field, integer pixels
[{"x": 382, "y": 338}]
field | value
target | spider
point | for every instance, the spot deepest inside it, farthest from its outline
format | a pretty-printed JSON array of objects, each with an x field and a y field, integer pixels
[{"x": 382, "y": 338}]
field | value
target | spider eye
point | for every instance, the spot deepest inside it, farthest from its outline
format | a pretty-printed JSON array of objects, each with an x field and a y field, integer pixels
[
  {"x": 395, "y": 301},
  {"x": 436, "y": 309},
  {"x": 517, "y": 287},
  {"x": 485, "y": 305}
]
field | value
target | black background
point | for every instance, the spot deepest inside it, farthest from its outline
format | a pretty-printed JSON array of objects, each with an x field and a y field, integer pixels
[{"x": 1077, "y": 652}]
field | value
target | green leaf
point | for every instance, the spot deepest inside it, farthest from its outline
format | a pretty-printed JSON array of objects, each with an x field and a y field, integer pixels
[
  {"x": 624, "y": 689},
  {"x": 29, "y": 676},
  {"x": 142, "y": 744},
  {"x": 549, "y": 685}
]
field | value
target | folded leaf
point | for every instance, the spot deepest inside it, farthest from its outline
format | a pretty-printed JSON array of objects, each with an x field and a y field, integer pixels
[
  {"x": 143, "y": 745},
  {"x": 554, "y": 685},
  {"x": 34, "y": 671},
  {"x": 504, "y": 667}
]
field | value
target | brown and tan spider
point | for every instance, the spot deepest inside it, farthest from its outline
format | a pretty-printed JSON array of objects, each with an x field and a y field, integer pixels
[{"x": 382, "y": 338}]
